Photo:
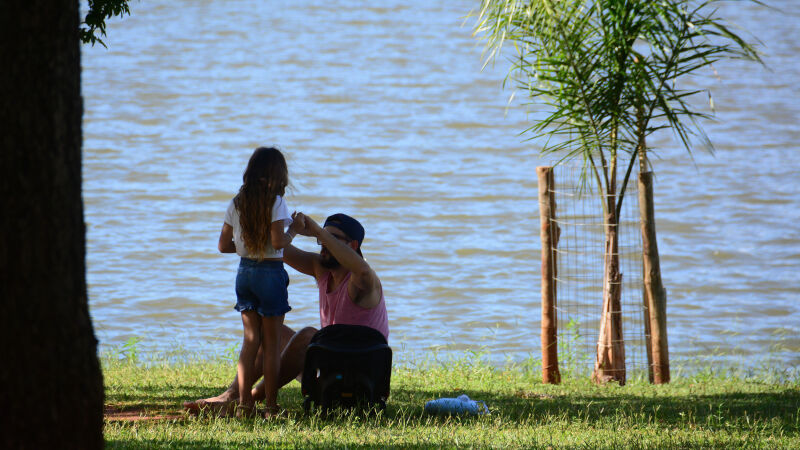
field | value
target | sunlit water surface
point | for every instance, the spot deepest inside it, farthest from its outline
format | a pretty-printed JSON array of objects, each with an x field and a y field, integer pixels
[{"x": 384, "y": 113}]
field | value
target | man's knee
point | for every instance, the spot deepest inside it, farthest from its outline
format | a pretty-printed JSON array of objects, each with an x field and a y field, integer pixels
[
  {"x": 296, "y": 347},
  {"x": 286, "y": 334},
  {"x": 305, "y": 334},
  {"x": 300, "y": 341}
]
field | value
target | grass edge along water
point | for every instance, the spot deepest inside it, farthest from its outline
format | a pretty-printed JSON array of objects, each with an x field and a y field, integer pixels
[{"x": 704, "y": 407}]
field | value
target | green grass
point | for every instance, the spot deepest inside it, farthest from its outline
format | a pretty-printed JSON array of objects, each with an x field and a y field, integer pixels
[{"x": 708, "y": 409}]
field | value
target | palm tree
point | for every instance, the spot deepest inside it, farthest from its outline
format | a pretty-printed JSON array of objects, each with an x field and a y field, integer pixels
[{"x": 606, "y": 72}]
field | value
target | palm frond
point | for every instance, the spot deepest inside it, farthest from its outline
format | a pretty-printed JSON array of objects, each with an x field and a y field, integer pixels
[{"x": 591, "y": 64}]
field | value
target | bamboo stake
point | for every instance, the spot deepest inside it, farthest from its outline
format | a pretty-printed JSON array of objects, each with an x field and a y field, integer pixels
[
  {"x": 641, "y": 150},
  {"x": 648, "y": 340},
  {"x": 655, "y": 296},
  {"x": 549, "y": 234}
]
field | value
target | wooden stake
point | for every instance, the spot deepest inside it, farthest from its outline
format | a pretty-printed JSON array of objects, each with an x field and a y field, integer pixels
[
  {"x": 655, "y": 296},
  {"x": 648, "y": 340},
  {"x": 549, "y": 234}
]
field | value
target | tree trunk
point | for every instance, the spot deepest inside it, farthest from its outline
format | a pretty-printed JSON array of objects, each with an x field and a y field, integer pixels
[
  {"x": 610, "y": 360},
  {"x": 549, "y": 233},
  {"x": 51, "y": 380}
]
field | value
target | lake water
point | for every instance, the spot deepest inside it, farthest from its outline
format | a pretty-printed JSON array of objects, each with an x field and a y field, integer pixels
[{"x": 384, "y": 113}]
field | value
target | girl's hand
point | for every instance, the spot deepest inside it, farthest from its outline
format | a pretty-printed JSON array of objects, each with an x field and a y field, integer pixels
[
  {"x": 310, "y": 228},
  {"x": 298, "y": 223}
]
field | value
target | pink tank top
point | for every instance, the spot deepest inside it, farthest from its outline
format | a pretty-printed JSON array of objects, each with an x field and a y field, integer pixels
[{"x": 337, "y": 308}]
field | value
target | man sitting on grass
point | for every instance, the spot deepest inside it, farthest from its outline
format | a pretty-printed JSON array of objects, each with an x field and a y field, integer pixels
[{"x": 349, "y": 293}]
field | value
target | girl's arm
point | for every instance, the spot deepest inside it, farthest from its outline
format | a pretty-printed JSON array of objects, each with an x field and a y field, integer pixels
[
  {"x": 226, "y": 244},
  {"x": 278, "y": 238}
]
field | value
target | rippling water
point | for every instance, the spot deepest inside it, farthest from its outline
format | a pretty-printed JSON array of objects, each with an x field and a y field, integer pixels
[{"x": 384, "y": 113}]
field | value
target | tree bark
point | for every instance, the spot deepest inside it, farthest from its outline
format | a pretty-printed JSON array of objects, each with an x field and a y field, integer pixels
[
  {"x": 549, "y": 233},
  {"x": 610, "y": 360},
  {"x": 51, "y": 381},
  {"x": 655, "y": 296}
]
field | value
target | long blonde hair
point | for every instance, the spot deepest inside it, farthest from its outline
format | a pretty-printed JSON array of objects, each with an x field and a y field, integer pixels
[{"x": 265, "y": 178}]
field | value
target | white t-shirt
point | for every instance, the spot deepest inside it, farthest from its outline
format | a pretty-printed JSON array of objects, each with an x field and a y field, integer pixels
[{"x": 279, "y": 212}]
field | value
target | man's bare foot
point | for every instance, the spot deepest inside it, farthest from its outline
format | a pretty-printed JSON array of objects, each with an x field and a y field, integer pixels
[{"x": 218, "y": 404}]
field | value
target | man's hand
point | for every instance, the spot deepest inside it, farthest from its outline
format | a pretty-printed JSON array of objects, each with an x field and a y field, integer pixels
[
  {"x": 300, "y": 260},
  {"x": 310, "y": 227}
]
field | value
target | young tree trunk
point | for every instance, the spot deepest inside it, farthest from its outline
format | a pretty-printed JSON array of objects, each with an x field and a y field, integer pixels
[
  {"x": 610, "y": 360},
  {"x": 52, "y": 389},
  {"x": 549, "y": 233}
]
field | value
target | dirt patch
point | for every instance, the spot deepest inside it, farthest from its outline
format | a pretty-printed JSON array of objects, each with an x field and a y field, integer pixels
[
  {"x": 137, "y": 414},
  {"x": 532, "y": 395}
]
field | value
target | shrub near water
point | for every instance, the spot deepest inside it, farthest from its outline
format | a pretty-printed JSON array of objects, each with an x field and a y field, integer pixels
[{"x": 708, "y": 409}]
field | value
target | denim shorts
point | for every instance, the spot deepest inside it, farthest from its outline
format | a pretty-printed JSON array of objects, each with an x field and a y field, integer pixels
[{"x": 262, "y": 287}]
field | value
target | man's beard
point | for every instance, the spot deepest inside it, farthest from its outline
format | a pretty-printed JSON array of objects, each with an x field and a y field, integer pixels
[{"x": 328, "y": 261}]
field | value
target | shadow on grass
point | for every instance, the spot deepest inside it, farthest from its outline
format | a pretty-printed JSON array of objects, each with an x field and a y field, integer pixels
[
  {"x": 158, "y": 393},
  {"x": 157, "y": 399},
  {"x": 781, "y": 408},
  {"x": 183, "y": 392},
  {"x": 166, "y": 443},
  {"x": 672, "y": 409}
]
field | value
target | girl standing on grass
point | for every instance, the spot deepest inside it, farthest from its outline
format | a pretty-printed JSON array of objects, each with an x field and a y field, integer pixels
[{"x": 254, "y": 229}]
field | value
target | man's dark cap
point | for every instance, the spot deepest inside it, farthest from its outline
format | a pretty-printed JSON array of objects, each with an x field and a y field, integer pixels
[{"x": 349, "y": 226}]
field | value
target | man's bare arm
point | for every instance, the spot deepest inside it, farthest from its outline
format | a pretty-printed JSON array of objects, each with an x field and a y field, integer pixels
[
  {"x": 301, "y": 261},
  {"x": 364, "y": 287}
]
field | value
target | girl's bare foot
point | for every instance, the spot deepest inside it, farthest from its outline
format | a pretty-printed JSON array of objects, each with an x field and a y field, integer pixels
[
  {"x": 245, "y": 411},
  {"x": 273, "y": 412}
]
